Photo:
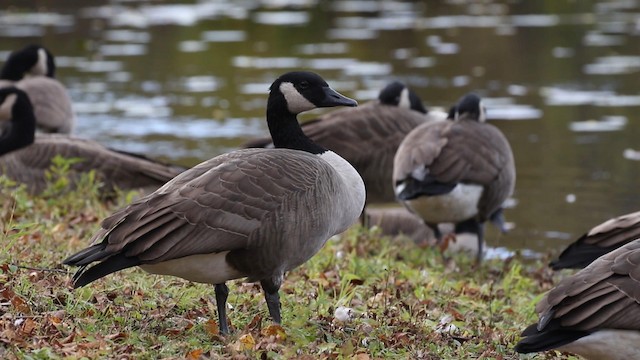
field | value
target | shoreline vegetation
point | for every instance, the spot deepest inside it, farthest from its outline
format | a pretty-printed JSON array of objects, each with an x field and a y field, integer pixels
[{"x": 363, "y": 296}]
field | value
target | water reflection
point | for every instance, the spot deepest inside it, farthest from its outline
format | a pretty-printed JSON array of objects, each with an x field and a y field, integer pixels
[{"x": 187, "y": 80}]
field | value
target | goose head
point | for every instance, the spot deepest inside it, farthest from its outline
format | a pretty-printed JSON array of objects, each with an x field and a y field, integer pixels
[
  {"x": 398, "y": 94},
  {"x": 17, "y": 118},
  {"x": 293, "y": 93},
  {"x": 32, "y": 60},
  {"x": 469, "y": 107}
]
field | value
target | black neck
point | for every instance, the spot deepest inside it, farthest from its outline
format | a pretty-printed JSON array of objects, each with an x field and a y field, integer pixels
[
  {"x": 12, "y": 71},
  {"x": 284, "y": 127},
  {"x": 23, "y": 126}
]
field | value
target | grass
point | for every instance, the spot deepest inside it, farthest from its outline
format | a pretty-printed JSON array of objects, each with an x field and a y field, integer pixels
[{"x": 405, "y": 302}]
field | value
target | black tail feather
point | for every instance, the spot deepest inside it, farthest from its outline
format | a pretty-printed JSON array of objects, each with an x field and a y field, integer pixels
[
  {"x": 115, "y": 263},
  {"x": 580, "y": 254},
  {"x": 536, "y": 341}
]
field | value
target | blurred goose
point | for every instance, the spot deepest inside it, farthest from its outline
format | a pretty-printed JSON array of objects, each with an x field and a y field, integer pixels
[
  {"x": 368, "y": 136},
  {"x": 252, "y": 213},
  {"x": 600, "y": 240},
  {"x": 26, "y": 158},
  {"x": 595, "y": 313},
  {"x": 32, "y": 70},
  {"x": 459, "y": 171}
]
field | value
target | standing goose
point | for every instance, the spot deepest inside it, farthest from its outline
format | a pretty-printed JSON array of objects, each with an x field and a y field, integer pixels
[
  {"x": 26, "y": 158},
  {"x": 32, "y": 70},
  {"x": 459, "y": 171},
  {"x": 368, "y": 136},
  {"x": 594, "y": 313},
  {"x": 600, "y": 240},
  {"x": 252, "y": 213}
]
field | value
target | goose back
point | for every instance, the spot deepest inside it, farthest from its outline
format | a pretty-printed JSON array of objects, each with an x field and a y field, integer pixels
[
  {"x": 367, "y": 137},
  {"x": 458, "y": 152},
  {"x": 600, "y": 240},
  {"x": 29, "y": 165},
  {"x": 598, "y": 301}
]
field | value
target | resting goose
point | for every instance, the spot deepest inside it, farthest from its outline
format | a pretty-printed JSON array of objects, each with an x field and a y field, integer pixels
[
  {"x": 600, "y": 240},
  {"x": 26, "y": 158},
  {"x": 368, "y": 136},
  {"x": 458, "y": 171},
  {"x": 32, "y": 70},
  {"x": 594, "y": 313},
  {"x": 251, "y": 213}
]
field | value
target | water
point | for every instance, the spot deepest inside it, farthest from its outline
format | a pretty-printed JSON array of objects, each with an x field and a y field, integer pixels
[{"x": 185, "y": 81}]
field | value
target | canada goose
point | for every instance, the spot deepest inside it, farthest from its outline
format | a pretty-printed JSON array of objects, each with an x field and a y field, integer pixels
[
  {"x": 26, "y": 158},
  {"x": 594, "y": 313},
  {"x": 459, "y": 171},
  {"x": 600, "y": 240},
  {"x": 32, "y": 70},
  {"x": 368, "y": 136},
  {"x": 251, "y": 213}
]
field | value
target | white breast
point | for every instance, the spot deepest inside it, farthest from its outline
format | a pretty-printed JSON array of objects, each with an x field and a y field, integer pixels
[
  {"x": 458, "y": 205},
  {"x": 203, "y": 268},
  {"x": 353, "y": 202}
]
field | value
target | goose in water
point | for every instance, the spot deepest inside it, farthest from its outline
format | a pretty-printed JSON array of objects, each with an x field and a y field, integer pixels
[
  {"x": 32, "y": 69},
  {"x": 594, "y": 313},
  {"x": 600, "y": 240},
  {"x": 251, "y": 213},
  {"x": 26, "y": 158},
  {"x": 459, "y": 171},
  {"x": 368, "y": 136}
]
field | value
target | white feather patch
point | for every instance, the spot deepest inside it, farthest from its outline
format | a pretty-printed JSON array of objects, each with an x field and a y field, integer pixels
[
  {"x": 296, "y": 103},
  {"x": 458, "y": 205},
  {"x": 405, "y": 102},
  {"x": 203, "y": 268},
  {"x": 6, "y": 106}
]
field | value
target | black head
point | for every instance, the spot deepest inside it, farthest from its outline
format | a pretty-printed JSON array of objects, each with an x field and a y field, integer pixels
[
  {"x": 31, "y": 60},
  {"x": 470, "y": 107},
  {"x": 398, "y": 94},
  {"x": 301, "y": 91}
]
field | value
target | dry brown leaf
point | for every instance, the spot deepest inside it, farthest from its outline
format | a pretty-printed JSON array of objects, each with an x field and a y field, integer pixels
[
  {"x": 274, "y": 330},
  {"x": 194, "y": 354},
  {"x": 211, "y": 326}
]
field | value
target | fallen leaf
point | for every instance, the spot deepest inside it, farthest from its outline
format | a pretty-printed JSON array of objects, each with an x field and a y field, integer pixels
[
  {"x": 274, "y": 330},
  {"x": 194, "y": 354},
  {"x": 211, "y": 326}
]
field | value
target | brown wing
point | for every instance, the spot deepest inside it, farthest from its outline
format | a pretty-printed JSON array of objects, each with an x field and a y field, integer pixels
[
  {"x": 367, "y": 137},
  {"x": 606, "y": 294},
  {"x": 213, "y": 207},
  {"x": 28, "y": 165},
  {"x": 51, "y": 104},
  {"x": 600, "y": 240},
  {"x": 461, "y": 152}
]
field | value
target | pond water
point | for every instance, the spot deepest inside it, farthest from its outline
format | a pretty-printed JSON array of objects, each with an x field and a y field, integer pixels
[{"x": 187, "y": 80}]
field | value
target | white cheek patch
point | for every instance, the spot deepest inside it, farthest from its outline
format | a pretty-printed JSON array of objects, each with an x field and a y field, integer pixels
[
  {"x": 296, "y": 103},
  {"x": 419, "y": 173},
  {"x": 404, "y": 99},
  {"x": 40, "y": 68},
  {"x": 6, "y": 106},
  {"x": 483, "y": 113}
]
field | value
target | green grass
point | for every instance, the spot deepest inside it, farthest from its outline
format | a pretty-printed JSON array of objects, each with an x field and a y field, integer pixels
[{"x": 407, "y": 302}]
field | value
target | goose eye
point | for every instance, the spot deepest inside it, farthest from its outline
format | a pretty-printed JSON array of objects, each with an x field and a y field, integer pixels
[{"x": 304, "y": 85}]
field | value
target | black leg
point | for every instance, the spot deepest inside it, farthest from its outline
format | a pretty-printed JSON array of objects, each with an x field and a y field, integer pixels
[
  {"x": 273, "y": 299},
  {"x": 480, "y": 233},
  {"x": 222, "y": 292},
  {"x": 497, "y": 219},
  {"x": 472, "y": 226},
  {"x": 436, "y": 232}
]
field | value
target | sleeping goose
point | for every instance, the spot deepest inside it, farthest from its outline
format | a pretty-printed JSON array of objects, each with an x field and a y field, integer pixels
[
  {"x": 600, "y": 240},
  {"x": 32, "y": 70},
  {"x": 251, "y": 213},
  {"x": 460, "y": 170},
  {"x": 594, "y": 313},
  {"x": 368, "y": 136},
  {"x": 26, "y": 158}
]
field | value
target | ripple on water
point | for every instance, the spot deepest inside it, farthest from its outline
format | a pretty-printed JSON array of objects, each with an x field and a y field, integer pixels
[
  {"x": 606, "y": 123},
  {"x": 613, "y": 65},
  {"x": 281, "y": 17},
  {"x": 561, "y": 97},
  {"x": 223, "y": 36},
  {"x": 123, "y": 49},
  {"x": 266, "y": 63}
]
